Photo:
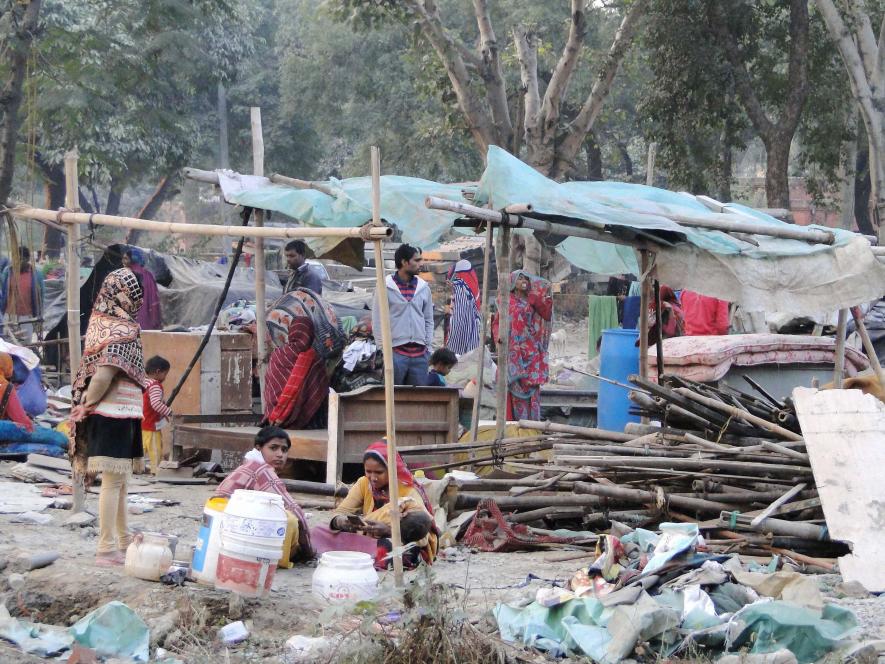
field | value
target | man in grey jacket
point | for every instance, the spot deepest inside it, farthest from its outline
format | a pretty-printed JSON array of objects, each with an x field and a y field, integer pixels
[{"x": 411, "y": 318}]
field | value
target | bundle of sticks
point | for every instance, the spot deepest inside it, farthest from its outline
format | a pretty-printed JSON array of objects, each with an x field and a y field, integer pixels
[{"x": 730, "y": 461}]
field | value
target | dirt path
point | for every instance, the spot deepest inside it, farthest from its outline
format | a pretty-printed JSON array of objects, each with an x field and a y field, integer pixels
[{"x": 186, "y": 619}]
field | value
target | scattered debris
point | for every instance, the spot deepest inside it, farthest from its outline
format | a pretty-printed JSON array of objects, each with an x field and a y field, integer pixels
[{"x": 233, "y": 633}]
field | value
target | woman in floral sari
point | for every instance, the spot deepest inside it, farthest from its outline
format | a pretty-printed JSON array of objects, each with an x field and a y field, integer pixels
[{"x": 531, "y": 310}]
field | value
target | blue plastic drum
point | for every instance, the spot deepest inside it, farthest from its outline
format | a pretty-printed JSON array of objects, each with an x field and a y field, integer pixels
[{"x": 619, "y": 357}]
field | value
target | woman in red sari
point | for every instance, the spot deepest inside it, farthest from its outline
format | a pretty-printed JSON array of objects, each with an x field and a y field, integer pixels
[{"x": 531, "y": 310}]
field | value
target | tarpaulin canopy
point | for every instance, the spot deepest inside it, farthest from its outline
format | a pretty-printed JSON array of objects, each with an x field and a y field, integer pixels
[{"x": 764, "y": 273}]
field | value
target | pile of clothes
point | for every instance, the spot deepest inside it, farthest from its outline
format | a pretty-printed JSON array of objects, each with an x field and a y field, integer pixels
[
  {"x": 22, "y": 398},
  {"x": 659, "y": 595}
]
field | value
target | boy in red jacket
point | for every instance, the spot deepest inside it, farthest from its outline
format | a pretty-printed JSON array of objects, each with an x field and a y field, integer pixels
[{"x": 156, "y": 412}]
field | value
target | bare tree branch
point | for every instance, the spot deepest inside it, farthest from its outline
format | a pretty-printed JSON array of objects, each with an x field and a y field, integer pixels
[
  {"x": 865, "y": 38},
  {"x": 493, "y": 77},
  {"x": 478, "y": 121},
  {"x": 583, "y": 122},
  {"x": 571, "y": 52},
  {"x": 860, "y": 85},
  {"x": 527, "y": 54}
]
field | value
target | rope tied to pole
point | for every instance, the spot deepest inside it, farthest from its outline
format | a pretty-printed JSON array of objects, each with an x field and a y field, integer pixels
[{"x": 366, "y": 232}]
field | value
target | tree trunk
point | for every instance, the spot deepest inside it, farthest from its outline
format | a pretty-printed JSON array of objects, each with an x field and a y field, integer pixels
[
  {"x": 24, "y": 19},
  {"x": 862, "y": 190},
  {"x": 594, "y": 157},
  {"x": 166, "y": 190},
  {"x": 85, "y": 205},
  {"x": 112, "y": 207},
  {"x": 54, "y": 188},
  {"x": 777, "y": 182},
  {"x": 849, "y": 175},
  {"x": 626, "y": 162},
  {"x": 724, "y": 167}
]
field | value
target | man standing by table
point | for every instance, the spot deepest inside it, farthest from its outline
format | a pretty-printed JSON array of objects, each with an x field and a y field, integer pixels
[
  {"x": 411, "y": 318},
  {"x": 302, "y": 276}
]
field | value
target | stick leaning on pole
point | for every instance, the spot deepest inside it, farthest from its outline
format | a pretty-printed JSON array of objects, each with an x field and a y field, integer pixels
[
  {"x": 484, "y": 330},
  {"x": 72, "y": 269},
  {"x": 387, "y": 349},
  {"x": 260, "y": 272}
]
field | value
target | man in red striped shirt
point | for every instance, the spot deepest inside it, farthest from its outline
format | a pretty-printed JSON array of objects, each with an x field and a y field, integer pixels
[{"x": 156, "y": 412}]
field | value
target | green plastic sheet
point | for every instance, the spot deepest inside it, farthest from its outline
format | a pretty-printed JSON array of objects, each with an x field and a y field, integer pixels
[{"x": 114, "y": 630}]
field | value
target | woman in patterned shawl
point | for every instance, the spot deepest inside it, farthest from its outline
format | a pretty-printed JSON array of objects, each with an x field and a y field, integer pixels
[
  {"x": 531, "y": 310},
  {"x": 296, "y": 385},
  {"x": 107, "y": 399}
]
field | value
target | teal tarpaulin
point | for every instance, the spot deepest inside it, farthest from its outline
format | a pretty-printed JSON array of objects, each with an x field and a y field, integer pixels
[{"x": 767, "y": 274}]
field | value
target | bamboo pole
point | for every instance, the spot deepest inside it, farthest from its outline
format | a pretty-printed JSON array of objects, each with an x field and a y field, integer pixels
[
  {"x": 387, "y": 349},
  {"x": 745, "y": 468},
  {"x": 211, "y": 177},
  {"x": 741, "y": 414},
  {"x": 644, "y": 263},
  {"x": 641, "y": 497},
  {"x": 839, "y": 368},
  {"x": 659, "y": 323},
  {"x": 584, "y": 432},
  {"x": 587, "y": 230},
  {"x": 68, "y": 218},
  {"x": 731, "y": 222},
  {"x": 868, "y": 344},
  {"x": 480, "y": 369},
  {"x": 72, "y": 240},
  {"x": 502, "y": 343},
  {"x": 260, "y": 271}
]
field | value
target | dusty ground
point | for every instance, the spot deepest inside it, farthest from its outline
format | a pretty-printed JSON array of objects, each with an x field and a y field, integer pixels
[{"x": 185, "y": 619}]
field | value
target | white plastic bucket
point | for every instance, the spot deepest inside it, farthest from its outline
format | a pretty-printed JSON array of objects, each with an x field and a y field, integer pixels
[
  {"x": 345, "y": 577},
  {"x": 208, "y": 542},
  {"x": 253, "y": 529}
]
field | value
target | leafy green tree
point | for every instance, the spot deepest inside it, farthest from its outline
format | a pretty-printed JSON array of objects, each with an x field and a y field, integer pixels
[{"x": 129, "y": 83}]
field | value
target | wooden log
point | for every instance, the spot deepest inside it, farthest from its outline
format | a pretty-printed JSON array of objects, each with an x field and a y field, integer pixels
[
  {"x": 673, "y": 463},
  {"x": 638, "y": 496},
  {"x": 839, "y": 366},
  {"x": 72, "y": 285},
  {"x": 69, "y": 218},
  {"x": 484, "y": 332},
  {"x": 742, "y": 414},
  {"x": 510, "y": 503},
  {"x": 315, "y": 488},
  {"x": 387, "y": 350},
  {"x": 585, "y": 432},
  {"x": 260, "y": 272},
  {"x": 502, "y": 343}
]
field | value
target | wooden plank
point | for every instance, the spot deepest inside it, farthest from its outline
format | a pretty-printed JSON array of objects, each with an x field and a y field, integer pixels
[{"x": 768, "y": 511}]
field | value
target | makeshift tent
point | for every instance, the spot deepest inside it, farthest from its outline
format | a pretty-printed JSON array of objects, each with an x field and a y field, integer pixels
[{"x": 756, "y": 270}]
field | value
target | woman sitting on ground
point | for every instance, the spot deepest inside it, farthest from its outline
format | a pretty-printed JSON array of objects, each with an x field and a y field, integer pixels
[
  {"x": 366, "y": 510},
  {"x": 258, "y": 473}
]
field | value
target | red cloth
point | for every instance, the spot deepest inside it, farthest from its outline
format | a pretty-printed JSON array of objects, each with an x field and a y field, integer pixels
[
  {"x": 489, "y": 531},
  {"x": 296, "y": 384},
  {"x": 16, "y": 413},
  {"x": 153, "y": 406},
  {"x": 23, "y": 306},
  {"x": 704, "y": 316}
]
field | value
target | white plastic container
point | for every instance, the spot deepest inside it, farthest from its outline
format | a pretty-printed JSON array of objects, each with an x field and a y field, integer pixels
[
  {"x": 205, "y": 556},
  {"x": 345, "y": 577},
  {"x": 149, "y": 556},
  {"x": 253, "y": 528}
]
